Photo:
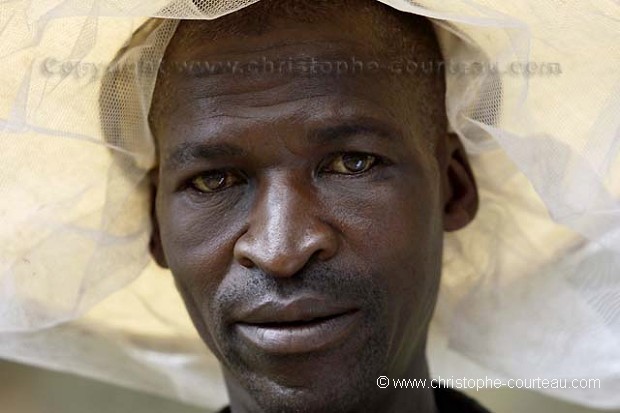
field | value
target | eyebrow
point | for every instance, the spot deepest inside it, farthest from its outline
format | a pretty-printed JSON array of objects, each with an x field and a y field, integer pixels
[
  {"x": 188, "y": 152},
  {"x": 191, "y": 151}
]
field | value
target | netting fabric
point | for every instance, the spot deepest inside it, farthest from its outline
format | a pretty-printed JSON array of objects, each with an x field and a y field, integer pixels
[{"x": 530, "y": 289}]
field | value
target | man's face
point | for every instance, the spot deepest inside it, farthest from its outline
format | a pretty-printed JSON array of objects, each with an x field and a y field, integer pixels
[{"x": 302, "y": 216}]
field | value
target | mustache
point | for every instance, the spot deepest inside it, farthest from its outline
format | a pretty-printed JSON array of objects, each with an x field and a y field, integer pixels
[{"x": 319, "y": 279}]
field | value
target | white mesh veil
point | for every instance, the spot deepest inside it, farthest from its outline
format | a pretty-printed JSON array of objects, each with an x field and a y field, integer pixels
[{"x": 530, "y": 289}]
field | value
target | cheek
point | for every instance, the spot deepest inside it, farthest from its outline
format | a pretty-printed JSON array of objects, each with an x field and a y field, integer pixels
[
  {"x": 396, "y": 228},
  {"x": 397, "y": 232},
  {"x": 198, "y": 239},
  {"x": 414, "y": 282},
  {"x": 198, "y": 242}
]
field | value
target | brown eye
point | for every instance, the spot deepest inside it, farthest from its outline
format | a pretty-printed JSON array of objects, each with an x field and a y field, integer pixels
[
  {"x": 215, "y": 181},
  {"x": 352, "y": 163}
]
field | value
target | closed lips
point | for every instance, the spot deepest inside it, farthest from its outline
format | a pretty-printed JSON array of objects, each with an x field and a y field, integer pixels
[{"x": 297, "y": 326}]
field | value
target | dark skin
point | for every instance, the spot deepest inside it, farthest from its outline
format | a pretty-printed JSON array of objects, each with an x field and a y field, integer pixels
[{"x": 338, "y": 188}]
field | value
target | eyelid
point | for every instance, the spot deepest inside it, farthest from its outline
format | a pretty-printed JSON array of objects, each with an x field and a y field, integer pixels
[
  {"x": 239, "y": 178},
  {"x": 377, "y": 160}
]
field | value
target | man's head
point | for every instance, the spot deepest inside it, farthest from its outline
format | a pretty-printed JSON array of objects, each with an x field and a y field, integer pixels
[{"x": 302, "y": 213}]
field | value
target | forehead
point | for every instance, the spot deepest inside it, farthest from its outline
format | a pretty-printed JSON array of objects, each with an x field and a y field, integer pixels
[
  {"x": 294, "y": 71},
  {"x": 367, "y": 25},
  {"x": 281, "y": 75},
  {"x": 273, "y": 18}
]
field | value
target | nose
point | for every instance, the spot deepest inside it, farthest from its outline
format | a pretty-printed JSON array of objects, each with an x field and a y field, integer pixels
[{"x": 285, "y": 230}]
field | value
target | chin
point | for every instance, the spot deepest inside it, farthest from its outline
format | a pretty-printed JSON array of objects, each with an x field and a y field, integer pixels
[
  {"x": 342, "y": 380},
  {"x": 323, "y": 397}
]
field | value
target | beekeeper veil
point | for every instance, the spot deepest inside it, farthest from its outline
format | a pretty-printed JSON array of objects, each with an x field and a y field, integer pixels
[{"x": 529, "y": 289}]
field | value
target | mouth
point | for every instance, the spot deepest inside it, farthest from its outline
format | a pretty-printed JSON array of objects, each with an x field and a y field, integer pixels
[{"x": 300, "y": 326}]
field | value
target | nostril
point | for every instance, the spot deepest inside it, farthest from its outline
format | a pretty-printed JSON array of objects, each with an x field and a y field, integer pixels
[{"x": 246, "y": 262}]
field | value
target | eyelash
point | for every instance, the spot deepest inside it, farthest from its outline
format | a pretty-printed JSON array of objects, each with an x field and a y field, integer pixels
[
  {"x": 191, "y": 185},
  {"x": 376, "y": 161}
]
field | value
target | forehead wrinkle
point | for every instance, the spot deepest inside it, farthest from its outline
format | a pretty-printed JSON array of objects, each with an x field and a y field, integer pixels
[
  {"x": 203, "y": 51},
  {"x": 203, "y": 102},
  {"x": 303, "y": 109},
  {"x": 352, "y": 127},
  {"x": 196, "y": 93},
  {"x": 301, "y": 58},
  {"x": 196, "y": 96}
]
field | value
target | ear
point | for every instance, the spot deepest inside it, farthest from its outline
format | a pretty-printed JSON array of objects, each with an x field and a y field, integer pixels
[
  {"x": 155, "y": 245},
  {"x": 459, "y": 186}
]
